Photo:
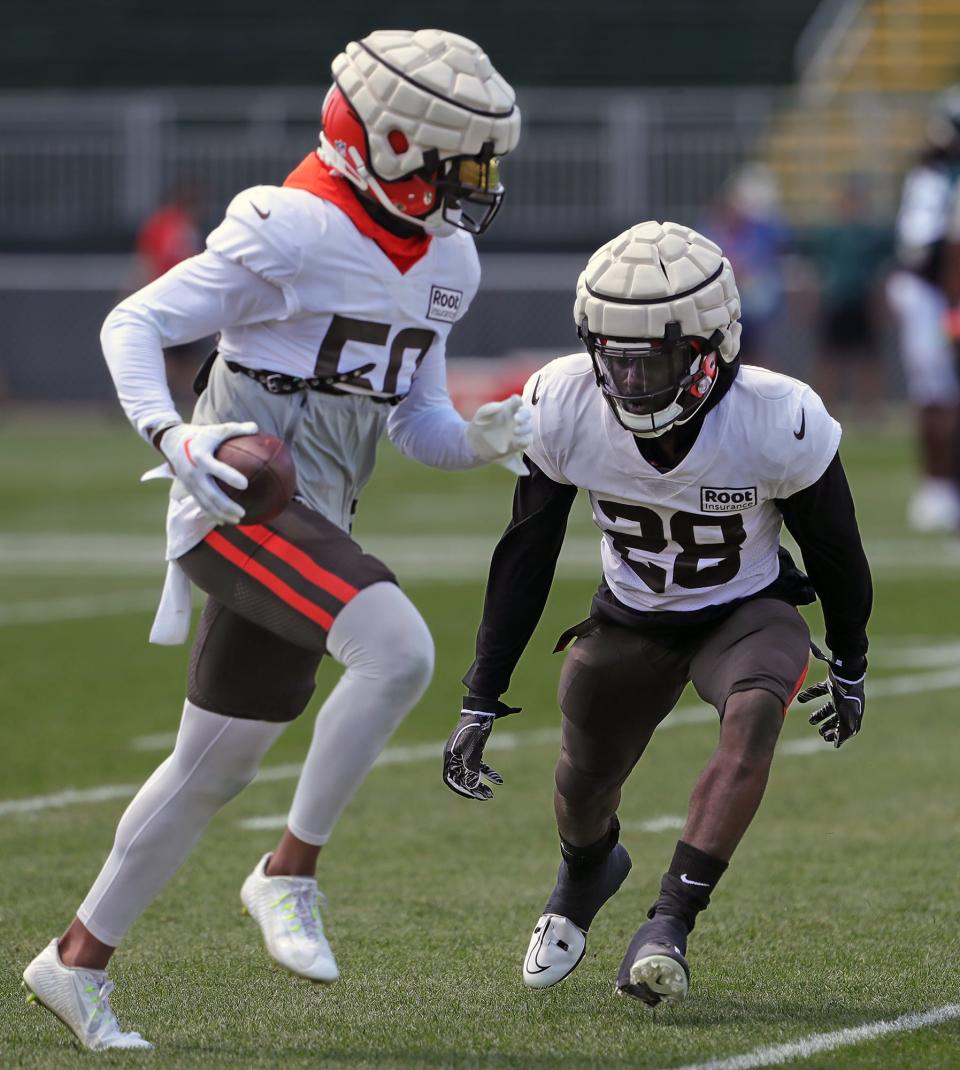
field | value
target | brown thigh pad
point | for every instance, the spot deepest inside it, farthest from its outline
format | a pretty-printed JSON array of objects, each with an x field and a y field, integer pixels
[
  {"x": 290, "y": 577},
  {"x": 615, "y": 688},
  {"x": 764, "y": 644},
  {"x": 274, "y": 591},
  {"x": 239, "y": 669}
]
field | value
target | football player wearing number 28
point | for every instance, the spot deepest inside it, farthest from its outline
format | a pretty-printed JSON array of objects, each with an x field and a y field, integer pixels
[
  {"x": 333, "y": 296},
  {"x": 692, "y": 464}
]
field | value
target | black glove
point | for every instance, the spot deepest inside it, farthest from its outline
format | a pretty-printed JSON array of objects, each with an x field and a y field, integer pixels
[
  {"x": 463, "y": 755},
  {"x": 840, "y": 718}
]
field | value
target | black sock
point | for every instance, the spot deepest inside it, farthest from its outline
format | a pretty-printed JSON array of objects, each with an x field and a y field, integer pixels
[
  {"x": 581, "y": 859},
  {"x": 687, "y": 884}
]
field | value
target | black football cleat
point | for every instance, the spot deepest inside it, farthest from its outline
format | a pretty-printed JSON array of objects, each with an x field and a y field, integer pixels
[
  {"x": 579, "y": 895},
  {"x": 559, "y": 939},
  {"x": 654, "y": 969}
]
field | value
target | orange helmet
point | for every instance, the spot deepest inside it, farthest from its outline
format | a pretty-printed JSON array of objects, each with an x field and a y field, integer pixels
[{"x": 417, "y": 120}]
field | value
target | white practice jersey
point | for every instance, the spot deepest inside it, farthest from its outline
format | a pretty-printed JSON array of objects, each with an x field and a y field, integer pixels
[
  {"x": 708, "y": 531},
  {"x": 295, "y": 288},
  {"x": 924, "y": 216},
  {"x": 347, "y": 305}
]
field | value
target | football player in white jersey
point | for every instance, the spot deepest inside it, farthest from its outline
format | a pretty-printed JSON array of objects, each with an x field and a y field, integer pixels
[
  {"x": 692, "y": 464},
  {"x": 333, "y": 295},
  {"x": 916, "y": 295}
]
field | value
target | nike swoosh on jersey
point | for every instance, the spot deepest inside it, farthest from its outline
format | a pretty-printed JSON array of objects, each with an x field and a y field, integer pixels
[
  {"x": 263, "y": 215},
  {"x": 803, "y": 426},
  {"x": 699, "y": 884},
  {"x": 534, "y": 396}
]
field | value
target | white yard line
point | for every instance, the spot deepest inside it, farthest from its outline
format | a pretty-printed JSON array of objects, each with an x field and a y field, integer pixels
[
  {"x": 68, "y": 797},
  {"x": 792, "y": 748},
  {"x": 916, "y": 653},
  {"x": 817, "y": 1043},
  {"x": 913, "y": 684},
  {"x": 260, "y": 824},
  {"x": 157, "y": 741},
  {"x": 655, "y": 824},
  {"x": 898, "y": 685},
  {"x": 402, "y": 755},
  {"x": 439, "y": 558},
  {"x": 80, "y": 607}
]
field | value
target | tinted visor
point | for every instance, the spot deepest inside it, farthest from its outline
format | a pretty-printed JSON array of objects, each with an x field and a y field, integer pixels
[
  {"x": 644, "y": 377},
  {"x": 472, "y": 192}
]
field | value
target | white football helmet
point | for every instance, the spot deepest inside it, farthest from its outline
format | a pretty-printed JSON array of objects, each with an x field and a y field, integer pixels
[
  {"x": 656, "y": 307},
  {"x": 418, "y": 120}
]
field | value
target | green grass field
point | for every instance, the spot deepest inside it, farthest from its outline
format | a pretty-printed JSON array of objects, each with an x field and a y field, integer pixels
[{"x": 841, "y": 907}]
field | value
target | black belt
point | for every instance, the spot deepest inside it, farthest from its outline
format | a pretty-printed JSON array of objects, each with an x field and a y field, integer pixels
[{"x": 278, "y": 383}]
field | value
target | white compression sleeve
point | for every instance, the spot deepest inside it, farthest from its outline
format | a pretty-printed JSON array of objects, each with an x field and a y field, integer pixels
[
  {"x": 213, "y": 759},
  {"x": 195, "y": 299},
  {"x": 387, "y": 651},
  {"x": 425, "y": 426}
]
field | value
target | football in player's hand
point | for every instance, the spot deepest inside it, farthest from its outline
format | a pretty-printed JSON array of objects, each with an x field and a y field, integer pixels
[{"x": 267, "y": 463}]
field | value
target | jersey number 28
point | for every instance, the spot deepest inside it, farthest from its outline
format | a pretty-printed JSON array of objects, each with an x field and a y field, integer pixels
[{"x": 687, "y": 572}]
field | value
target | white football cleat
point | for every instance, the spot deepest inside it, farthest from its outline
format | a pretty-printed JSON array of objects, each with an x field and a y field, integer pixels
[
  {"x": 286, "y": 910},
  {"x": 554, "y": 952},
  {"x": 80, "y": 998}
]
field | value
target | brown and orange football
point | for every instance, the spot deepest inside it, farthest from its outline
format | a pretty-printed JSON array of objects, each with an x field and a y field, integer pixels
[{"x": 267, "y": 463}]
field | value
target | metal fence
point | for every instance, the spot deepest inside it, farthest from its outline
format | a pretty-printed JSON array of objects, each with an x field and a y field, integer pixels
[{"x": 85, "y": 169}]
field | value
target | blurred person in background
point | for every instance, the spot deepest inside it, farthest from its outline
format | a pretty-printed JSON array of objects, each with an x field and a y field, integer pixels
[
  {"x": 168, "y": 236},
  {"x": 746, "y": 223},
  {"x": 951, "y": 287},
  {"x": 333, "y": 295},
  {"x": 916, "y": 295},
  {"x": 849, "y": 254},
  {"x": 171, "y": 233}
]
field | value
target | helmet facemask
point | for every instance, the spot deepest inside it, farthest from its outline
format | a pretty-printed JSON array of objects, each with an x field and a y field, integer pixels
[
  {"x": 471, "y": 191},
  {"x": 653, "y": 383}
]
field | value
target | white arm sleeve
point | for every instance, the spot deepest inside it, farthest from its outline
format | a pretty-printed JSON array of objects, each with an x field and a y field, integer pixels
[
  {"x": 193, "y": 300},
  {"x": 425, "y": 426}
]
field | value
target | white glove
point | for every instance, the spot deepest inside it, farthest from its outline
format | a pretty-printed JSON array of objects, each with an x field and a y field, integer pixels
[
  {"x": 189, "y": 449},
  {"x": 501, "y": 431}
]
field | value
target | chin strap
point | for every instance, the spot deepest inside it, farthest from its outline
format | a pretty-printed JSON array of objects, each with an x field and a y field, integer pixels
[{"x": 355, "y": 169}]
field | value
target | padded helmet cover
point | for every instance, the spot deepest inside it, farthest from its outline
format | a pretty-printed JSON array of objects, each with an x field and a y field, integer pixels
[
  {"x": 653, "y": 274},
  {"x": 437, "y": 88}
]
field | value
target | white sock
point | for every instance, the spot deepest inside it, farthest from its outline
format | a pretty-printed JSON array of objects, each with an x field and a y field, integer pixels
[
  {"x": 213, "y": 759},
  {"x": 387, "y": 651}
]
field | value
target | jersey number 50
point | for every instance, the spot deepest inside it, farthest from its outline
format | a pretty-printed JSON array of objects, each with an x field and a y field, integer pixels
[
  {"x": 343, "y": 329},
  {"x": 683, "y": 530}
]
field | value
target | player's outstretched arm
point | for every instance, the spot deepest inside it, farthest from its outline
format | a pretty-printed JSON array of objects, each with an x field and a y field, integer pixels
[
  {"x": 823, "y": 521},
  {"x": 521, "y": 573},
  {"x": 501, "y": 431},
  {"x": 427, "y": 428}
]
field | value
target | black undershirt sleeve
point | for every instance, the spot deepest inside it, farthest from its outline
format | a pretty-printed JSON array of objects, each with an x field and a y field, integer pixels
[
  {"x": 521, "y": 573},
  {"x": 823, "y": 521}
]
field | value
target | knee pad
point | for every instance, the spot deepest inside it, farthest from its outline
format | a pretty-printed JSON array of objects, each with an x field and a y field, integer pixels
[
  {"x": 411, "y": 655},
  {"x": 381, "y": 635},
  {"x": 579, "y": 787}
]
